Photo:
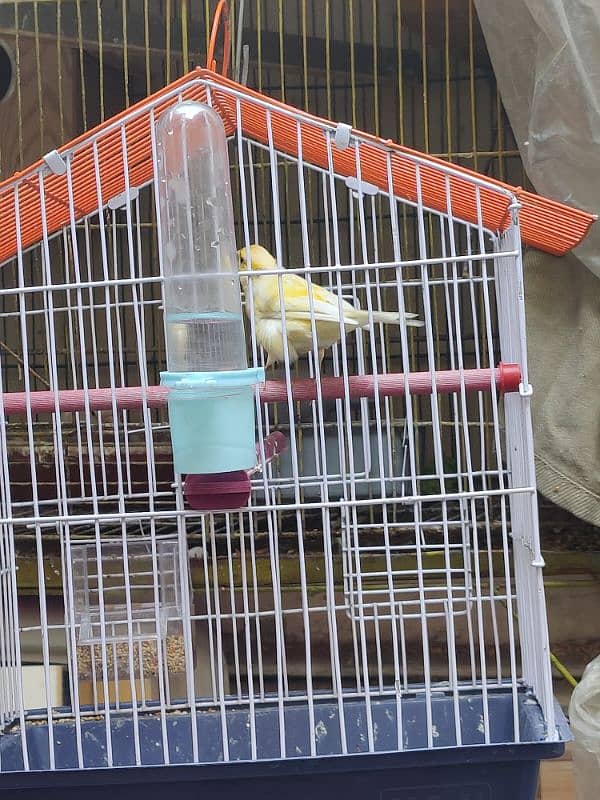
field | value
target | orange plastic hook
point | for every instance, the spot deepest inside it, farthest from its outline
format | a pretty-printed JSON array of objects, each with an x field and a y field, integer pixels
[{"x": 222, "y": 12}]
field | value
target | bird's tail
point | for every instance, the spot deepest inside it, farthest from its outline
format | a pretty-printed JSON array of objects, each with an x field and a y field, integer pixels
[{"x": 392, "y": 318}]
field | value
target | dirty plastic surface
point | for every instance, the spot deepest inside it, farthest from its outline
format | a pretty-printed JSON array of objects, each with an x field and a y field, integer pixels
[
  {"x": 472, "y": 772},
  {"x": 297, "y": 732}
]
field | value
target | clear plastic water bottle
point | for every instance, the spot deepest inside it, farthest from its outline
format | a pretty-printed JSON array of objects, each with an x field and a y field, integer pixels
[
  {"x": 211, "y": 407},
  {"x": 200, "y": 265}
]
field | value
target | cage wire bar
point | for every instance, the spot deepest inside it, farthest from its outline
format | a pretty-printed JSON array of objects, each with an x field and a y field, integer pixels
[{"x": 382, "y": 591}]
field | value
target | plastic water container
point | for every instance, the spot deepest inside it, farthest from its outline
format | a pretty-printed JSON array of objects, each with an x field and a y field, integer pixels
[
  {"x": 212, "y": 420},
  {"x": 211, "y": 397},
  {"x": 584, "y": 719}
]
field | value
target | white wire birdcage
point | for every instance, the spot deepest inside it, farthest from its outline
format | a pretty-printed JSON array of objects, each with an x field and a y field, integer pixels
[{"x": 379, "y": 589}]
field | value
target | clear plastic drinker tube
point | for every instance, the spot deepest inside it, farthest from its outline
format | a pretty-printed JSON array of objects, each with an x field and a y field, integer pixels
[{"x": 211, "y": 389}]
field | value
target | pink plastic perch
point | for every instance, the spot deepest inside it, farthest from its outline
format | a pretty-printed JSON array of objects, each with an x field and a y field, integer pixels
[{"x": 505, "y": 377}]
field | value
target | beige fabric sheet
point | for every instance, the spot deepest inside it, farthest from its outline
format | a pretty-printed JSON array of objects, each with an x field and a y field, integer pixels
[{"x": 563, "y": 330}]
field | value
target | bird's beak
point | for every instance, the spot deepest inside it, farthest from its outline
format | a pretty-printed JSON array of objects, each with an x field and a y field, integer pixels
[
  {"x": 243, "y": 264},
  {"x": 243, "y": 267}
]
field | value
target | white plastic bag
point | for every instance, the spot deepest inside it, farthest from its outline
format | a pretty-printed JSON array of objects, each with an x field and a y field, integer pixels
[
  {"x": 584, "y": 720},
  {"x": 546, "y": 58}
]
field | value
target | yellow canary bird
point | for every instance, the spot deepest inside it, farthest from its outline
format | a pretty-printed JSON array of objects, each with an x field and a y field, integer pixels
[{"x": 325, "y": 310}]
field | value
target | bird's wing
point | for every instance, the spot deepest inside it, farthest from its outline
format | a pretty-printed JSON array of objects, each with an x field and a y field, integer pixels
[{"x": 325, "y": 305}]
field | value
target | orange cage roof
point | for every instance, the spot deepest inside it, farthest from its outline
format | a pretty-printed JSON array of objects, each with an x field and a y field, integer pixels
[{"x": 469, "y": 197}]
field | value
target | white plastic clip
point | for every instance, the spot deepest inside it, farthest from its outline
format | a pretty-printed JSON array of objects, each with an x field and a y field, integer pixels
[
  {"x": 121, "y": 200},
  {"x": 525, "y": 390},
  {"x": 55, "y": 162},
  {"x": 342, "y": 135},
  {"x": 361, "y": 187}
]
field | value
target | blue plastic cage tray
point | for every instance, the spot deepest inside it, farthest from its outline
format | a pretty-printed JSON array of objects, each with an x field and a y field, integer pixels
[{"x": 473, "y": 771}]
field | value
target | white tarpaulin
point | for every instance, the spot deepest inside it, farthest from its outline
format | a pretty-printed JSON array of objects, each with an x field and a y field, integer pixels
[{"x": 546, "y": 56}]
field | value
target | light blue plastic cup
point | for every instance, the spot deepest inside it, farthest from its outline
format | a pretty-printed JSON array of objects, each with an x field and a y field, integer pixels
[{"x": 211, "y": 415}]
